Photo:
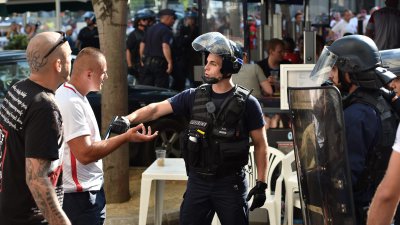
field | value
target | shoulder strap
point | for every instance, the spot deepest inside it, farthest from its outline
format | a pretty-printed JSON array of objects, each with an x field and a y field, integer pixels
[{"x": 202, "y": 96}]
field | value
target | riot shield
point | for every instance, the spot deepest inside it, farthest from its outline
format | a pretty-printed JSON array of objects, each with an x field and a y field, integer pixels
[{"x": 321, "y": 156}]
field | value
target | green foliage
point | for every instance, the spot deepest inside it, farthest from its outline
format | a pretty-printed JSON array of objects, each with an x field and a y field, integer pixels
[{"x": 18, "y": 41}]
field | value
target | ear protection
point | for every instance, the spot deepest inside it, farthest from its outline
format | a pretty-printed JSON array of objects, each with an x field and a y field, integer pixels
[{"x": 231, "y": 65}]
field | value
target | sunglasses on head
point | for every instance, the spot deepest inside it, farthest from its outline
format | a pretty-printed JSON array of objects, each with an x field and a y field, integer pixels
[{"x": 61, "y": 41}]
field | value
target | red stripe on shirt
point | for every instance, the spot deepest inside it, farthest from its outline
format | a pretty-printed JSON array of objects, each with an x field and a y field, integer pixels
[
  {"x": 65, "y": 85},
  {"x": 74, "y": 172}
]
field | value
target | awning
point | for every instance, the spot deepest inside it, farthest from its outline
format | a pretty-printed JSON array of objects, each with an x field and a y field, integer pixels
[
  {"x": 8, "y": 7},
  {"x": 20, "y": 6}
]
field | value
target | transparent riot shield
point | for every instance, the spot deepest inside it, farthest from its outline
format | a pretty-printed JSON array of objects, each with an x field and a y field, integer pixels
[{"x": 321, "y": 156}]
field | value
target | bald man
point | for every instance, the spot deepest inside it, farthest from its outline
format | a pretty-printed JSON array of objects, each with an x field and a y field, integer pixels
[
  {"x": 84, "y": 200},
  {"x": 31, "y": 137}
]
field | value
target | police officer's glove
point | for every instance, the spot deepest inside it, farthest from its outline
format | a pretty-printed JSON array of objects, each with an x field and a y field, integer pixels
[
  {"x": 120, "y": 125},
  {"x": 387, "y": 94},
  {"x": 132, "y": 71},
  {"x": 258, "y": 194}
]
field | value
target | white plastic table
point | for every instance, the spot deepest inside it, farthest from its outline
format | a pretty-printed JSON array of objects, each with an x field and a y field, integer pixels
[{"x": 174, "y": 169}]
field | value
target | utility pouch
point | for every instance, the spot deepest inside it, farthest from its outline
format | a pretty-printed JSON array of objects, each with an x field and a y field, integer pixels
[
  {"x": 234, "y": 153},
  {"x": 195, "y": 156}
]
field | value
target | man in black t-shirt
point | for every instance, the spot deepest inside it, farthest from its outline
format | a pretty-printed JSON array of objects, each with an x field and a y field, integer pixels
[
  {"x": 31, "y": 137},
  {"x": 271, "y": 69}
]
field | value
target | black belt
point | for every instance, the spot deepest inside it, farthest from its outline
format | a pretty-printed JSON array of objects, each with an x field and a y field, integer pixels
[
  {"x": 155, "y": 60},
  {"x": 221, "y": 173}
]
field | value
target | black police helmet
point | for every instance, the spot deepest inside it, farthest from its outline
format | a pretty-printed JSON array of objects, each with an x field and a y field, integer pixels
[
  {"x": 359, "y": 56},
  {"x": 142, "y": 15},
  {"x": 356, "y": 53}
]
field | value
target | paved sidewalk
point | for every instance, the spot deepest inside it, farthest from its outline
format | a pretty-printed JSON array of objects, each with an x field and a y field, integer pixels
[{"x": 127, "y": 213}]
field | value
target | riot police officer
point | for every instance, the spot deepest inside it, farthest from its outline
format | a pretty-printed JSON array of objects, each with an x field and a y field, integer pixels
[
  {"x": 89, "y": 35},
  {"x": 354, "y": 64},
  {"x": 215, "y": 146},
  {"x": 141, "y": 22}
]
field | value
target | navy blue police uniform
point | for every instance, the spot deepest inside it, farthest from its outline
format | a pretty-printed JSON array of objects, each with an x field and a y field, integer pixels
[
  {"x": 217, "y": 181},
  {"x": 155, "y": 64},
  {"x": 370, "y": 128}
]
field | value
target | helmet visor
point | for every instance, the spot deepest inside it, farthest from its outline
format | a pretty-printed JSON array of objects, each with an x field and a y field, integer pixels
[
  {"x": 322, "y": 69},
  {"x": 214, "y": 43}
]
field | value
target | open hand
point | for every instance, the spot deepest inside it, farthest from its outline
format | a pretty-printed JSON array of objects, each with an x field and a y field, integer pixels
[{"x": 140, "y": 134}]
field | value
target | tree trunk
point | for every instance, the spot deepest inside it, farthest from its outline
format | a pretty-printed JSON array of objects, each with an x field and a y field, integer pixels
[{"x": 111, "y": 18}]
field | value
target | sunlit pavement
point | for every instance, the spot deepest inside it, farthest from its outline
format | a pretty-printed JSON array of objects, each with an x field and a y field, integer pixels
[{"x": 127, "y": 213}]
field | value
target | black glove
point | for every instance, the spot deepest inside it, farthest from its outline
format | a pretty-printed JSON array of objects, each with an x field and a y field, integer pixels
[
  {"x": 387, "y": 94},
  {"x": 132, "y": 71},
  {"x": 258, "y": 192},
  {"x": 120, "y": 125}
]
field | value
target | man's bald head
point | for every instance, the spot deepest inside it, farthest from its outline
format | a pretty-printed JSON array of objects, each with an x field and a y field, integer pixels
[
  {"x": 88, "y": 58},
  {"x": 39, "y": 46}
]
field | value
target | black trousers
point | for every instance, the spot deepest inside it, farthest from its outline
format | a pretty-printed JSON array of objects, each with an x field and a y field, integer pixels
[{"x": 225, "y": 196}]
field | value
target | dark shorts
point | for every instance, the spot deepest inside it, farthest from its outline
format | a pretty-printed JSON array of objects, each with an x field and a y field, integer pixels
[{"x": 85, "y": 208}]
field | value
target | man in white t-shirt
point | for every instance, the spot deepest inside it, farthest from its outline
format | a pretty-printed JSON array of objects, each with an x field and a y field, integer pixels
[
  {"x": 343, "y": 27},
  {"x": 387, "y": 196},
  {"x": 84, "y": 199}
]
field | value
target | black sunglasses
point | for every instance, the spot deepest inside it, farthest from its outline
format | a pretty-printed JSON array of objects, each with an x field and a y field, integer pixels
[{"x": 61, "y": 41}]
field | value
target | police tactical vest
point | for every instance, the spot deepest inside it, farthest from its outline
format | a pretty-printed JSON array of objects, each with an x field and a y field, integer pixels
[
  {"x": 215, "y": 142},
  {"x": 378, "y": 159}
]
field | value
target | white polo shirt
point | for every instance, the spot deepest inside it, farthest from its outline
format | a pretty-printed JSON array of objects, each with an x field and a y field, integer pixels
[
  {"x": 79, "y": 120},
  {"x": 396, "y": 145}
]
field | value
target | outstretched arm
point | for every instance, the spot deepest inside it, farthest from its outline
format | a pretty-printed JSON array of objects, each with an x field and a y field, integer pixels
[
  {"x": 387, "y": 195},
  {"x": 150, "y": 112},
  {"x": 87, "y": 151},
  {"x": 43, "y": 192}
]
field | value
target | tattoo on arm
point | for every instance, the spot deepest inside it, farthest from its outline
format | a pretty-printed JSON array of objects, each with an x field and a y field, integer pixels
[{"x": 43, "y": 192}]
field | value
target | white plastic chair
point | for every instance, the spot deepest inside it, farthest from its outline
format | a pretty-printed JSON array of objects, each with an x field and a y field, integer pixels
[
  {"x": 292, "y": 197},
  {"x": 274, "y": 198}
]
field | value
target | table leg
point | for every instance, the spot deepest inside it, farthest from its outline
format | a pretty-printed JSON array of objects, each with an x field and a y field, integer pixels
[
  {"x": 145, "y": 188},
  {"x": 159, "y": 202}
]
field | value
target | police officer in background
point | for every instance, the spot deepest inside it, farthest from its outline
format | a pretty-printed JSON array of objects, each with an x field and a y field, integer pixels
[
  {"x": 215, "y": 146},
  {"x": 140, "y": 23},
  {"x": 155, "y": 50},
  {"x": 184, "y": 56},
  {"x": 354, "y": 65},
  {"x": 89, "y": 35}
]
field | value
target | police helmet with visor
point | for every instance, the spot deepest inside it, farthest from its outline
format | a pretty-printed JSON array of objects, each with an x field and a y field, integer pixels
[
  {"x": 216, "y": 43},
  {"x": 357, "y": 55},
  {"x": 90, "y": 16}
]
